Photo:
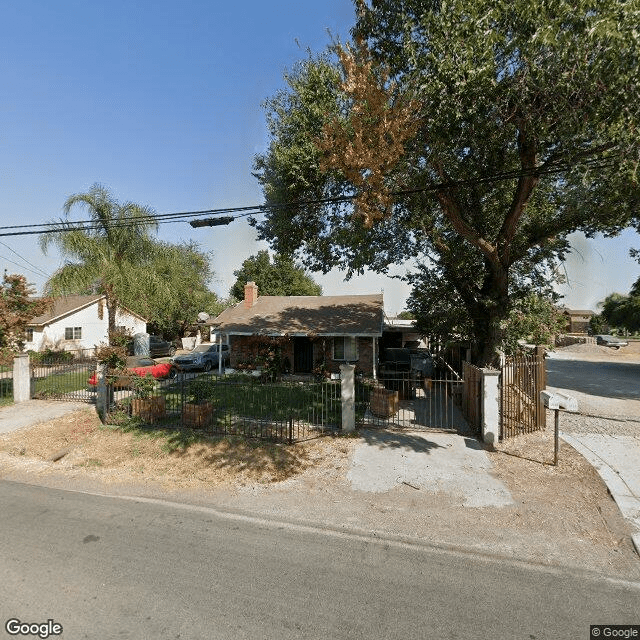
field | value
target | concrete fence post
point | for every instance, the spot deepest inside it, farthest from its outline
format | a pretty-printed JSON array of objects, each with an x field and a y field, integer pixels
[
  {"x": 490, "y": 406},
  {"x": 102, "y": 391},
  {"x": 348, "y": 394},
  {"x": 21, "y": 378}
]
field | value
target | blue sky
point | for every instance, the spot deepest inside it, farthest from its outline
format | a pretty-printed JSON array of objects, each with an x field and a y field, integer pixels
[{"x": 161, "y": 102}]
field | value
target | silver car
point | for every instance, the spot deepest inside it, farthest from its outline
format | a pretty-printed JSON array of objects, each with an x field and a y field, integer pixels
[
  {"x": 204, "y": 356},
  {"x": 611, "y": 341}
]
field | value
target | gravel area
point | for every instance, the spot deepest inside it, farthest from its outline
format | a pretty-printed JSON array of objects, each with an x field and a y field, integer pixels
[{"x": 604, "y": 425}]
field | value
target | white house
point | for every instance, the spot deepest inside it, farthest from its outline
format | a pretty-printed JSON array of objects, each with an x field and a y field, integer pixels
[{"x": 78, "y": 322}]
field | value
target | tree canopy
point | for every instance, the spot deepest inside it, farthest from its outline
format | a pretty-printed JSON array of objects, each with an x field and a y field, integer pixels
[
  {"x": 17, "y": 308},
  {"x": 470, "y": 136},
  {"x": 277, "y": 277},
  {"x": 173, "y": 287},
  {"x": 116, "y": 254},
  {"x": 101, "y": 256},
  {"x": 623, "y": 311}
]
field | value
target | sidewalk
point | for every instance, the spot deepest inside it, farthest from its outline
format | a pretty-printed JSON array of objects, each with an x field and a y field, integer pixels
[
  {"x": 26, "y": 414},
  {"x": 617, "y": 460}
]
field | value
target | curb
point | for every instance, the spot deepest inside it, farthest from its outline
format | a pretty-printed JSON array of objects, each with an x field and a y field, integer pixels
[{"x": 628, "y": 504}]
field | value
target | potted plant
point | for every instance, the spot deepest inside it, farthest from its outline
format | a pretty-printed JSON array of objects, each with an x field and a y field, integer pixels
[
  {"x": 198, "y": 410},
  {"x": 144, "y": 402}
]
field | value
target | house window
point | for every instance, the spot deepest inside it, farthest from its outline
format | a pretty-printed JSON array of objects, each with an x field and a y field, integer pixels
[
  {"x": 73, "y": 333},
  {"x": 345, "y": 349},
  {"x": 28, "y": 335}
]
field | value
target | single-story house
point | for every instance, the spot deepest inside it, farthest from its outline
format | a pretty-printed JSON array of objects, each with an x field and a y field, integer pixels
[
  {"x": 78, "y": 323},
  {"x": 314, "y": 330},
  {"x": 577, "y": 320}
]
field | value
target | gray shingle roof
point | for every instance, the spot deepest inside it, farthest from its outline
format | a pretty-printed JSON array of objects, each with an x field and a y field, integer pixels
[{"x": 360, "y": 315}]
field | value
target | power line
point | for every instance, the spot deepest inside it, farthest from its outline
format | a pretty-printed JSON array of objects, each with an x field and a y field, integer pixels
[{"x": 185, "y": 216}]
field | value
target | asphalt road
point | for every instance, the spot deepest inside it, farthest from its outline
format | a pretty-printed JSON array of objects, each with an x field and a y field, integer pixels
[
  {"x": 606, "y": 379},
  {"x": 114, "y": 568}
]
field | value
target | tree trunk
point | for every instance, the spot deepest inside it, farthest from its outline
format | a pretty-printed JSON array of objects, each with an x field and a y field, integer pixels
[
  {"x": 488, "y": 316},
  {"x": 112, "y": 306}
]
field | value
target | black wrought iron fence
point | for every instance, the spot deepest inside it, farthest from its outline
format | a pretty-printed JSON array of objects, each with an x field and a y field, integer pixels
[
  {"x": 63, "y": 376},
  {"x": 231, "y": 405},
  {"x": 6, "y": 384},
  {"x": 408, "y": 399}
]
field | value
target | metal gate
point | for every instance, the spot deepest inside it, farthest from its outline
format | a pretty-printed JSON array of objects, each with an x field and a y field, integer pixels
[
  {"x": 407, "y": 400},
  {"x": 63, "y": 376},
  {"x": 521, "y": 408}
]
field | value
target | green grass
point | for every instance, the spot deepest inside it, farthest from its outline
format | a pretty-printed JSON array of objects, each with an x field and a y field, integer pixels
[{"x": 60, "y": 383}]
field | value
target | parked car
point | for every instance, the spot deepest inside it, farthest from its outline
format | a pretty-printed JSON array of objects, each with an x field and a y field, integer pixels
[
  {"x": 159, "y": 347},
  {"x": 204, "y": 356},
  {"x": 611, "y": 341},
  {"x": 141, "y": 366},
  {"x": 401, "y": 369}
]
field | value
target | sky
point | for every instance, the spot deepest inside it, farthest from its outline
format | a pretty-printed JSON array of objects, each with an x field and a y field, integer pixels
[{"x": 161, "y": 102}]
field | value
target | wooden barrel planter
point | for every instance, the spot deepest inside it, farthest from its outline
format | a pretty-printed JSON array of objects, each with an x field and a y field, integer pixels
[
  {"x": 384, "y": 402},
  {"x": 198, "y": 414},
  {"x": 149, "y": 409}
]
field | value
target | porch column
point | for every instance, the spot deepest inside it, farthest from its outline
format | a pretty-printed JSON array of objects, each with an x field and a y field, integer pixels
[
  {"x": 375, "y": 344},
  {"x": 347, "y": 387}
]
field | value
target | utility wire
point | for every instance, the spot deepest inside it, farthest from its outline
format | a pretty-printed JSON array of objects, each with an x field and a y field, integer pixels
[{"x": 185, "y": 216}]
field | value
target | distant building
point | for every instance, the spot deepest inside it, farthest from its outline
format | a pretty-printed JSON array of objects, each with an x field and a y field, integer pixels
[
  {"x": 577, "y": 320},
  {"x": 78, "y": 323}
]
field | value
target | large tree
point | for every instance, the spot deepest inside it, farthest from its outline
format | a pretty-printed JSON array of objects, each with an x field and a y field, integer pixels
[
  {"x": 17, "y": 308},
  {"x": 173, "y": 287},
  {"x": 277, "y": 277},
  {"x": 473, "y": 135},
  {"x": 101, "y": 254}
]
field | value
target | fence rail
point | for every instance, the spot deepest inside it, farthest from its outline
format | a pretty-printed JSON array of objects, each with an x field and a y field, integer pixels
[
  {"x": 6, "y": 384},
  {"x": 63, "y": 377},
  {"x": 240, "y": 405}
]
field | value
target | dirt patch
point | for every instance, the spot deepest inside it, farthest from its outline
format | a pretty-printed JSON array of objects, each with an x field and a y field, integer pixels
[
  {"x": 177, "y": 458},
  {"x": 569, "y": 498},
  {"x": 630, "y": 353}
]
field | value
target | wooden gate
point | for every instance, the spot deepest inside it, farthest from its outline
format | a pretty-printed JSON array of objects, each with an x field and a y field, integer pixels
[{"x": 521, "y": 408}]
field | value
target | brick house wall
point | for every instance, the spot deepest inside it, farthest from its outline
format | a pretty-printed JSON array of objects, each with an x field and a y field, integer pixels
[{"x": 244, "y": 349}]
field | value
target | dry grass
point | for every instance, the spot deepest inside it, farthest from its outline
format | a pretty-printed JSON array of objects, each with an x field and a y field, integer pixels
[{"x": 171, "y": 456}]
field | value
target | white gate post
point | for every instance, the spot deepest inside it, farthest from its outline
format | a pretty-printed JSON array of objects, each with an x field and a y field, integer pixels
[
  {"x": 490, "y": 406},
  {"x": 347, "y": 387},
  {"x": 102, "y": 391},
  {"x": 21, "y": 378}
]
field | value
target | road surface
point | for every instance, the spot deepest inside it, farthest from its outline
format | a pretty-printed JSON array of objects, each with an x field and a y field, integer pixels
[{"x": 115, "y": 568}]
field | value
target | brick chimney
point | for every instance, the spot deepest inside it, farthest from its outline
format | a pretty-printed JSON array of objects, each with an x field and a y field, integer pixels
[{"x": 250, "y": 294}]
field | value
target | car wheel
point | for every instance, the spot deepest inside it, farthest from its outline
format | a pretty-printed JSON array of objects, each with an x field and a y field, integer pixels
[
  {"x": 173, "y": 373},
  {"x": 207, "y": 365},
  {"x": 172, "y": 352}
]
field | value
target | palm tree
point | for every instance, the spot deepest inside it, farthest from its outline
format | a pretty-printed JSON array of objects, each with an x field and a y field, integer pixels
[{"x": 101, "y": 254}]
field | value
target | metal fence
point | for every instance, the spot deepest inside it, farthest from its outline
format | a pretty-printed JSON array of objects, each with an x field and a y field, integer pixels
[
  {"x": 410, "y": 400},
  {"x": 283, "y": 410},
  {"x": 6, "y": 384},
  {"x": 63, "y": 376}
]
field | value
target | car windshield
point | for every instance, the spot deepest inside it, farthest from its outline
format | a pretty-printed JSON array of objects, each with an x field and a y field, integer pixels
[{"x": 203, "y": 348}]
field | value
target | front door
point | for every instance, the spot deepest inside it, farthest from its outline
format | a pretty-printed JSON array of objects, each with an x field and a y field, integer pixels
[{"x": 302, "y": 355}]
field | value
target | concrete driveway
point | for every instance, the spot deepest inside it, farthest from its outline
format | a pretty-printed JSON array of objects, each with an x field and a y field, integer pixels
[{"x": 439, "y": 462}]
